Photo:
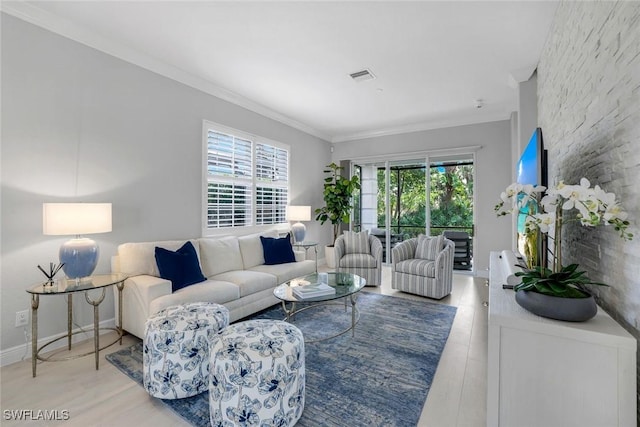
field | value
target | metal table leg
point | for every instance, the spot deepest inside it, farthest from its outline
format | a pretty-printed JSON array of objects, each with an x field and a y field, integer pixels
[
  {"x": 96, "y": 321},
  {"x": 35, "y": 302},
  {"x": 120, "y": 286},
  {"x": 315, "y": 248},
  {"x": 69, "y": 319},
  {"x": 353, "y": 315}
]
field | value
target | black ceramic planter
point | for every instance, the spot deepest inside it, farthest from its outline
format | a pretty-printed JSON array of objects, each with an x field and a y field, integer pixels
[{"x": 567, "y": 309}]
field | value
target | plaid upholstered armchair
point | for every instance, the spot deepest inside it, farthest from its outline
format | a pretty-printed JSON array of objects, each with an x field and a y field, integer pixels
[
  {"x": 361, "y": 254},
  {"x": 423, "y": 266}
]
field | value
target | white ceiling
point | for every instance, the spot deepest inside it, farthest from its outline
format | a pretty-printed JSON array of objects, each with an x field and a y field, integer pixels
[{"x": 292, "y": 60}]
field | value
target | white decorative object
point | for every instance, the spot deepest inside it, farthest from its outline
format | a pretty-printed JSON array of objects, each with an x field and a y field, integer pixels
[
  {"x": 257, "y": 375},
  {"x": 330, "y": 256},
  {"x": 544, "y": 372},
  {"x": 80, "y": 254},
  {"x": 313, "y": 290},
  {"x": 298, "y": 213},
  {"x": 176, "y": 349}
]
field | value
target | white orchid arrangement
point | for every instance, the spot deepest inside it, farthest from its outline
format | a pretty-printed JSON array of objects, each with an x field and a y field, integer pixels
[{"x": 546, "y": 211}]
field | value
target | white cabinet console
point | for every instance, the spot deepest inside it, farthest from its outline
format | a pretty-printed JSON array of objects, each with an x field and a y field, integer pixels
[{"x": 547, "y": 373}]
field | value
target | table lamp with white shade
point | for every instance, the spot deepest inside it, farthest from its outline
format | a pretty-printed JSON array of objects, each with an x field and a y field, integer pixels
[
  {"x": 298, "y": 213},
  {"x": 80, "y": 254}
]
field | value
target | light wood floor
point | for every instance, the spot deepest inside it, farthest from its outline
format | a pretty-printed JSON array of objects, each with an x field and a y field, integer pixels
[{"x": 109, "y": 398}]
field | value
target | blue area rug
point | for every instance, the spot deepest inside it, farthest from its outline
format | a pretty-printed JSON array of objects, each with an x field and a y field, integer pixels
[{"x": 380, "y": 377}]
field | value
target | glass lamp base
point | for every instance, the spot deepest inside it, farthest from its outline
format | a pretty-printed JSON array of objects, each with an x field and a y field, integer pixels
[{"x": 80, "y": 257}]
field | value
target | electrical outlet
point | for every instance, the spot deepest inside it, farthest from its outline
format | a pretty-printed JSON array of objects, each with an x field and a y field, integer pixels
[{"x": 22, "y": 318}]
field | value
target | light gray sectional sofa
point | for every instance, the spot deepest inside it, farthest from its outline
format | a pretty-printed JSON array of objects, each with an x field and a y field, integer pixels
[{"x": 234, "y": 267}]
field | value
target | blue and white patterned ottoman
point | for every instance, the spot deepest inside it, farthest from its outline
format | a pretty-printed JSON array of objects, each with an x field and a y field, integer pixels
[
  {"x": 176, "y": 348},
  {"x": 257, "y": 375}
]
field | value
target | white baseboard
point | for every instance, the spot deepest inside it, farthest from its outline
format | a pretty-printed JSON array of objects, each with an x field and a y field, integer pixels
[{"x": 23, "y": 351}]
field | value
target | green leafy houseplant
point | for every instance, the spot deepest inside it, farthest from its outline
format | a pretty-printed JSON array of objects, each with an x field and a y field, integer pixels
[
  {"x": 563, "y": 283},
  {"x": 338, "y": 192},
  {"x": 546, "y": 211}
]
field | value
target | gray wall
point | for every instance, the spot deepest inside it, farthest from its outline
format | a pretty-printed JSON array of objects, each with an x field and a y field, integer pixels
[
  {"x": 589, "y": 111},
  {"x": 80, "y": 125},
  {"x": 527, "y": 113},
  {"x": 493, "y": 172}
]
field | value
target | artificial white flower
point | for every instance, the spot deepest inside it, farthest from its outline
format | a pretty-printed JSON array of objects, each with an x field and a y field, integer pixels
[
  {"x": 543, "y": 221},
  {"x": 546, "y": 214},
  {"x": 614, "y": 211},
  {"x": 572, "y": 194}
]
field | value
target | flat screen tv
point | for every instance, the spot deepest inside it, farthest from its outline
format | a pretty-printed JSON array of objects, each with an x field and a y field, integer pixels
[
  {"x": 531, "y": 169},
  {"x": 532, "y": 166}
]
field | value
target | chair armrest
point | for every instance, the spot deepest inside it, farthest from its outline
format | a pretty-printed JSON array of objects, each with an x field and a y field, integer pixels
[
  {"x": 376, "y": 249},
  {"x": 403, "y": 251},
  {"x": 444, "y": 260},
  {"x": 339, "y": 250}
]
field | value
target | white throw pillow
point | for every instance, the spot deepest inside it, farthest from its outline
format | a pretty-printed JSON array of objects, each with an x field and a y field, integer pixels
[
  {"x": 429, "y": 247},
  {"x": 357, "y": 243},
  {"x": 251, "y": 248},
  {"x": 220, "y": 255}
]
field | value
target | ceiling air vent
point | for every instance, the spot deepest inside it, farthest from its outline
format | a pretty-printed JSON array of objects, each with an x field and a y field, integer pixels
[{"x": 361, "y": 76}]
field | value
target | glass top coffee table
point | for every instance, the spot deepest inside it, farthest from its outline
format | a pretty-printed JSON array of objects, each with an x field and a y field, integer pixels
[{"x": 347, "y": 285}]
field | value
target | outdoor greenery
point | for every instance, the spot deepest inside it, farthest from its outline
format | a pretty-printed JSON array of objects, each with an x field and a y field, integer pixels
[{"x": 451, "y": 198}]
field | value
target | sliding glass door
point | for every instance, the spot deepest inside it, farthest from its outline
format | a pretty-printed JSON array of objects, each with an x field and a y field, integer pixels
[{"x": 403, "y": 198}]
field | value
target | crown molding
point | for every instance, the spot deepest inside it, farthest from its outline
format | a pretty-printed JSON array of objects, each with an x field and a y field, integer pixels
[
  {"x": 36, "y": 16},
  {"x": 41, "y": 18},
  {"x": 418, "y": 127}
]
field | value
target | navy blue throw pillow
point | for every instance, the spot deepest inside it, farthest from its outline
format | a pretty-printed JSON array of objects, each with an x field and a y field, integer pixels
[
  {"x": 277, "y": 251},
  {"x": 181, "y": 266}
]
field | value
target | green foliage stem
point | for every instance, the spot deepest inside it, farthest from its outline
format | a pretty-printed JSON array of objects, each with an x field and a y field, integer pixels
[{"x": 562, "y": 283}]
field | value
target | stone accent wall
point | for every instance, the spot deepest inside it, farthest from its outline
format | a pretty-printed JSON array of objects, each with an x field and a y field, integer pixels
[{"x": 589, "y": 112}]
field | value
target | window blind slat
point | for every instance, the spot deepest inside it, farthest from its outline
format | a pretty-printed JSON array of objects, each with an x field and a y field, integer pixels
[
  {"x": 228, "y": 205},
  {"x": 232, "y": 175}
]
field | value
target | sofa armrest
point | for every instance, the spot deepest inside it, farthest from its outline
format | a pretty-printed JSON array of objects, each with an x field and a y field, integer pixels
[
  {"x": 137, "y": 294},
  {"x": 149, "y": 287},
  {"x": 403, "y": 251},
  {"x": 300, "y": 255}
]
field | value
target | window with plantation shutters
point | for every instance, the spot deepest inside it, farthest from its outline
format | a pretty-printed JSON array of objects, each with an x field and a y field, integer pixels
[
  {"x": 247, "y": 179},
  {"x": 272, "y": 181}
]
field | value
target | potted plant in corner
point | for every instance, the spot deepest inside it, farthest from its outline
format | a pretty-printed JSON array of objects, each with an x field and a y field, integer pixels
[
  {"x": 551, "y": 289},
  {"x": 337, "y": 194}
]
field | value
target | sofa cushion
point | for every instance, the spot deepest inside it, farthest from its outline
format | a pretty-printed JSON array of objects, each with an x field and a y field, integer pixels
[
  {"x": 251, "y": 248},
  {"x": 277, "y": 250},
  {"x": 208, "y": 291},
  {"x": 220, "y": 255},
  {"x": 358, "y": 260},
  {"x": 356, "y": 242},
  {"x": 181, "y": 266},
  {"x": 285, "y": 272},
  {"x": 248, "y": 281},
  {"x": 429, "y": 247},
  {"x": 139, "y": 258},
  {"x": 417, "y": 267}
]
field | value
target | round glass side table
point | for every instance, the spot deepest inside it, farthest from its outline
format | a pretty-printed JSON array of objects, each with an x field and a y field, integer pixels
[{"x": 69, "y": 287}]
